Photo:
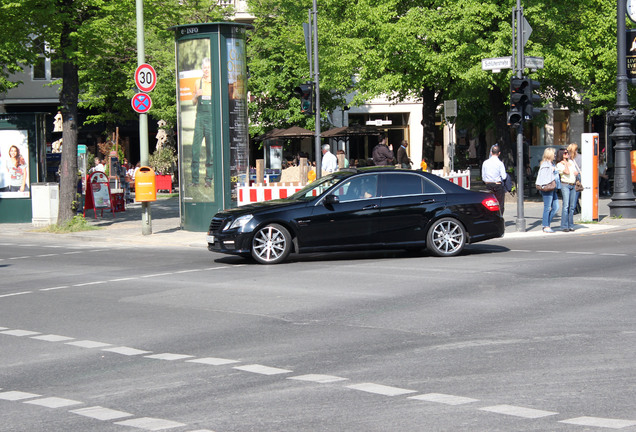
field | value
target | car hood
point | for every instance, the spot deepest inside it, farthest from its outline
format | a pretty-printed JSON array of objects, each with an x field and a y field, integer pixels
[{"x": 261, "y": 207}]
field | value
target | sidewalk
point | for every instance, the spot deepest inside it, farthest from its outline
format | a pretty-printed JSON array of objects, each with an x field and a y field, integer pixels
[{"x": 125, "y": 227}]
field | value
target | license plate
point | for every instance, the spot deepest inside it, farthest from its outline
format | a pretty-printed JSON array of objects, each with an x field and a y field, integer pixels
[{"x": 210, "y": 239}]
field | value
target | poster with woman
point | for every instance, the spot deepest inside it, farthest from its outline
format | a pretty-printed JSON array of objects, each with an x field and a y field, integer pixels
[{"x": 14, "y": 164}]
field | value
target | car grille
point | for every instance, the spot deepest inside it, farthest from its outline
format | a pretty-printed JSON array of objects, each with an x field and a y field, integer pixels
[{"x": 216, "y": 224}]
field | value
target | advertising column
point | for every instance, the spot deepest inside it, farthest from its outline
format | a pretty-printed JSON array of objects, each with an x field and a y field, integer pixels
[
  {"x": 589, "y": 177},
  {"x": 212, "y": 119}
]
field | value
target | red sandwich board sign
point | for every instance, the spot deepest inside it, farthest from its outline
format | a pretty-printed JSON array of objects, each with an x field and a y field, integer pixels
[
  {"x": 141, "y": 103},
  {"x": 145, "y": 78},
  {"x": 98, "y": 194}
]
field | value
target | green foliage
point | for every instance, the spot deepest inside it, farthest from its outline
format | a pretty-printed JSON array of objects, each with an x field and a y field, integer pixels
[
  {"x": 76, "y": 224},
  {"x": 163, "y": 160}
]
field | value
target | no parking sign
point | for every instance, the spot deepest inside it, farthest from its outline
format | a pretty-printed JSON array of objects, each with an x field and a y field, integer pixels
[{"x": 141, "y": 103}]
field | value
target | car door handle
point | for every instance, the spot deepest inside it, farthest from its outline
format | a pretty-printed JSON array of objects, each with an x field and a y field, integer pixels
[
  {"x": 427, "y": 201},
  {"x": 370, "y": 206}
]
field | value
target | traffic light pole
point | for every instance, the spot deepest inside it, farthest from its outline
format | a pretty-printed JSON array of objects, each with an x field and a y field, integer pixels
[
  {"x": 317, "y": 92},
  {"x": 520, "y": 222}
]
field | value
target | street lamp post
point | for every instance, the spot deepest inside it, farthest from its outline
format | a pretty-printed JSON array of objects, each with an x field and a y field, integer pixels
[{"x": 622, "y": 203}]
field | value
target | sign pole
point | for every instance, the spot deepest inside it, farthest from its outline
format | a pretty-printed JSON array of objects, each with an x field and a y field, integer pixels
[
  {"x": 520, "y": 222},
  {"x": 146, "y": 221}
]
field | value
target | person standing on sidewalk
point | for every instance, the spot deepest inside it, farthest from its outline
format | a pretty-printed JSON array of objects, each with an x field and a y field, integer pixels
[
  {"x": 547, "y": 174},
  {"x": 493, "y": 173},
  {"x": 567, "y": 171}
]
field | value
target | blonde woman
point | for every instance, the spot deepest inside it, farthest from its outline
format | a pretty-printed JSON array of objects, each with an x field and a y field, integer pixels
[
  {"x": 568, "y": 172},
  {"x": 547, "y": 174}
]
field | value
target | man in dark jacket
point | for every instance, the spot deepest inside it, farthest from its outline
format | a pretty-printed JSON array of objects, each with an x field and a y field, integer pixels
[
  {"x": 382, "y": 155},
  {"x": 403, "y": 158}
]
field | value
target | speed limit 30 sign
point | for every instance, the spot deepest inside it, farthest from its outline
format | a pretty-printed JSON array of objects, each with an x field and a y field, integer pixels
[{"x": 145, "y": 78}]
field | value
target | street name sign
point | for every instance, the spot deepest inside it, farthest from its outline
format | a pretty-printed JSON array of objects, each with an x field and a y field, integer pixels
[
  {"x": 534, "y": 62},
  {"x": 496, "y": 64}
]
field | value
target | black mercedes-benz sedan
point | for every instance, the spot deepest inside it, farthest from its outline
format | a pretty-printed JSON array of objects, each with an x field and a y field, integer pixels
[{"x": 360, "y": 209}]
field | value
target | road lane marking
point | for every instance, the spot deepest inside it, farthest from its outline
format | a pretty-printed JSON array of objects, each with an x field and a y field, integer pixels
[
  {"x": 151, "y": 424},
  {"x": 444, "y": 398},
  {"x": 89, "y": 283},
  {"x": 54, "y": 402},
  {"x": 600, "y": 422},
  {"x": 318, "y": 378},
  {"x": 20, "y": 333},
  {"x": 214, "y": 361},
  {"x": 55, "y": 288},
  {"x": 101, "y": 413},
  {"x": 169, "y": 356},
  {"x": 380, "y": 389},
  {"x": 46, "y": 255},
  {"x": 16, "y": 294},
  {"x": 73, "y": 252},
  {"x": 263, "y": 370},
  {"x": 518, "y": 411},
  {"x": 17, "y": 395},
  {"x": 126, "y": 351},
  {"x": 88, "y": 344},
  {"x": 52, "y": 338},
  {"x": 20, "y": 257},
  {"x": 580, "y": 253}
]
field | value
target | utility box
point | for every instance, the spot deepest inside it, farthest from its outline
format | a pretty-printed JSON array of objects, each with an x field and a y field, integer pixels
[
  {"x": 145, "y": 186},
  {"x": 45, "y": 203}
]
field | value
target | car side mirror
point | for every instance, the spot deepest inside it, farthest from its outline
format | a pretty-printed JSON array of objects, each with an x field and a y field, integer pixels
[{"x": 331, "y": 199}]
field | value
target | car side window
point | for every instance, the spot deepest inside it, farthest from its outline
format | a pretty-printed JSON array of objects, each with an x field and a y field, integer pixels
[
  {"x": 430, "y": 187},
  {"x": 401, "y": 184},
  {"x": 363, "y": 187}
]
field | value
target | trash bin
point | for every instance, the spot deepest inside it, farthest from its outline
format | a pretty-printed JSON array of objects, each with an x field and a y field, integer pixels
[
  {"x": 45, "y": 202},
  {"x": 145, "y": 189}
]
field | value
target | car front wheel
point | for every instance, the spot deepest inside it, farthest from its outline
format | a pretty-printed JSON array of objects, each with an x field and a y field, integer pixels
[
  {"x": 271, "y": 244},
  {"x": 446, "y": 237}
]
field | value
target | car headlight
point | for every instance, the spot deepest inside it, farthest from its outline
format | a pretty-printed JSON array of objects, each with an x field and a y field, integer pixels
[{"x": 239, "y": 222}]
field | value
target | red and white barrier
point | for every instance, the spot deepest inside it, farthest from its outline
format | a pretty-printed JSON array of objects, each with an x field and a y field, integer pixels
[
  {"x": 461, "y": 178},
  {"x": 258, "y": 193}
]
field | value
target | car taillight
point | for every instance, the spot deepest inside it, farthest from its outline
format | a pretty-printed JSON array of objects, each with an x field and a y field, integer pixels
[{"x": 491, "y": 204}]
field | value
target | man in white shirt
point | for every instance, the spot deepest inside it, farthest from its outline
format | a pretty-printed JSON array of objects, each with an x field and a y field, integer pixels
[
  {"x": 493, "y": 173},
  {"x": 329, "y": 160}
]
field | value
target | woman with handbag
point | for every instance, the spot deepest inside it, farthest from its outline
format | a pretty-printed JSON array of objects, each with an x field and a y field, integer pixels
[
  {"x": 546, "y": 183},
  {"x": 568, "y": 172}
]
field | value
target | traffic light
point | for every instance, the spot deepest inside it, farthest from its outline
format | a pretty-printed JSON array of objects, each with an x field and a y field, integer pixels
[
  {"x": 522, "y": 100},
  {"x": 531, "y": 99},
  {"x": 515, "y": 115},
  {"x": 306, "y": 94}
]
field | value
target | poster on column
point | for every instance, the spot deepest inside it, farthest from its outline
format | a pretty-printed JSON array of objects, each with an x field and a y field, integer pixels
[
  {"x": 237, "y": 105},
  {"x": 14, "y": 164},
  {"x": 196, "y": 116}
]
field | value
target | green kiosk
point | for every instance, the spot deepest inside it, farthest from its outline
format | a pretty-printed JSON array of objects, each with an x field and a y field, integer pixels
[
  {"x": 212, "y": 119},
  {"x": 22, "y": 163}
]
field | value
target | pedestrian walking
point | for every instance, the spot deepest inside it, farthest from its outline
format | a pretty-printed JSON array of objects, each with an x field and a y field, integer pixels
[{"x": 493, "y": 174}]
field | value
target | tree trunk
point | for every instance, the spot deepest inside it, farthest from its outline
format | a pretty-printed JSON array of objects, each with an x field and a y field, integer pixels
[
  {"x": 430, "y": 101},
  {"x": 69, "y": 96}
]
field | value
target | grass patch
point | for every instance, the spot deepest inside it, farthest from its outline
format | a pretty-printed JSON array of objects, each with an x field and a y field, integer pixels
[{"x": 78, "y": 223}]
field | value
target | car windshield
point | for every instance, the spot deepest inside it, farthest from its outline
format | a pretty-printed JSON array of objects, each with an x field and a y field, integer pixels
[{"x": 318, "y": 187}]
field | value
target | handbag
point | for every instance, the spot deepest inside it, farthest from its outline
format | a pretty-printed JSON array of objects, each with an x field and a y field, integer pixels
[
  {"x": 547, "y": 187},
  {"x": 578, "y": 186}
]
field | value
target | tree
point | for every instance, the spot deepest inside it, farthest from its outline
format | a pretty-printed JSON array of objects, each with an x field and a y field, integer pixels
[{"x": 95, "y": 40}]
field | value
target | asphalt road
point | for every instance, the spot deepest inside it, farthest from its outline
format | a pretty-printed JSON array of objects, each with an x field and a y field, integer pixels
[{"x": 516, "y": 334}]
